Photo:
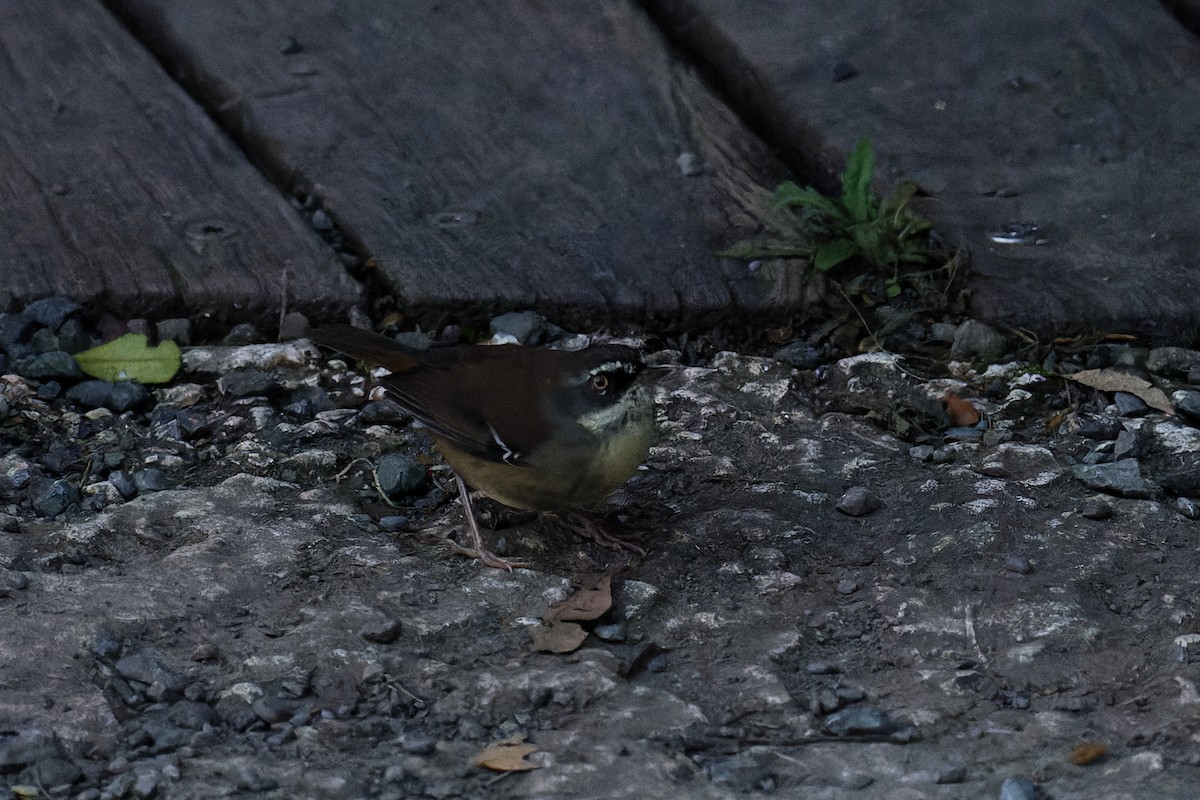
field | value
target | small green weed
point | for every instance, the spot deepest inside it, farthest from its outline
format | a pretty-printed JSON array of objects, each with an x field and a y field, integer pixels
[{"x": 865, "y": 243}]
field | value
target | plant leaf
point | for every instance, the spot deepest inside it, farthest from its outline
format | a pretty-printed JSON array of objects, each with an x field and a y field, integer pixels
[
  {"x": 130, "y": 358},
  {"x": 830, "y": 254},
  {"x": 856, "y": 181},
  {"x": 1112, "y": 380},
  {"x": 507, "y": 755},
  {"x": 789, "y": 194}
]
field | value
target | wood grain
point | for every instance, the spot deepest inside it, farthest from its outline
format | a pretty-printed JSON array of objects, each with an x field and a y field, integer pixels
[
  {"x": 117, "y": 190},
  {"x": 490, "y": 155}
]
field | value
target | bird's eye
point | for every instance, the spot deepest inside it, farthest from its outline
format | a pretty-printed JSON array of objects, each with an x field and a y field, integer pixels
[{"x": 599, "y": 383}]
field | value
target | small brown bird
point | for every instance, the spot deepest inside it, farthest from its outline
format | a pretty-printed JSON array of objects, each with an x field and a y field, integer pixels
[{"x": 539, "y": 430}]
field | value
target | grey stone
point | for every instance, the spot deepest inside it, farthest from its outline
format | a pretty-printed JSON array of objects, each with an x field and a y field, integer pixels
[
  {"x": 399, "y": 474},
  {"x": 952, "y": 775},
  {"x": 382, "y": 630},
  {"x": 43, "y": 340},
  {"x": 55, "y": 364},
  {"x": 72, "y": 338},
  {"x": 1172, "y": 362},
  {"x": 14, "y": 333},
  {"x": 118, "y": 397},
  {"x": 526, "y": 327},
  {"x": 978, "y": 340},
  {"x": 1019, "y": 564},
  {"x": 858, "y": 501},
  {"x": 861, "y": 721},
  {"x": 1096, "y": 509},
  {"x": 122, "y": 481},
  {"x": 294, "y": 325},
  {"x": 247, "y": 382},
  {"x": 414, "y": 339},
  {"x": 1122, "y": 478},
  {"x": 151, "y": 479},
  {"x": 51, "y": 498},
  {"x": 52, "y": 312},
  {"x": 1187, "y": 507},
  {"x": 922, "y": 452},
  {"x": 1129, "y": 405},
  {"x": 1187, "y": 403},
  {"x": 800, "y": 355},
  {"x": 243, "y": 333},
  {"x": 418, "y": 743},
  {"x": 1186, "y": 648},
  {"x": 1018, "y": 788},
  {"x": 178, "y": 330}
]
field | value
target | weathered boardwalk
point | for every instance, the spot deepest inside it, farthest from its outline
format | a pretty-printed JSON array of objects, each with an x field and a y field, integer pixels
[{"x": 565, "y": 157}]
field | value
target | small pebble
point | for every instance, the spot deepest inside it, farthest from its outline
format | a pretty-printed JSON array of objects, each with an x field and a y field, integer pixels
[
  {"x": 858, "y": 501},
  {"x": 1019, "y": 564},
  {"x": 151, "y": 479},
  {"x": 1187, "y": 507},
  {"x": 1096, "y": 509},
  {"x": 847, "y": 586},
  {"x": 1018, "y": 788},
  {"x": 1129, "y": 405},
  {"x": 382, "y": 631},
  {"x": 399, "y": 474}
]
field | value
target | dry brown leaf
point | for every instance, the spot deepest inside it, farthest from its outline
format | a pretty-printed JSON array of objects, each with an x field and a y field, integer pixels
[
  {"x": 557, "y": 637},
  {"x": 585, "y": 604},
  {"x": 507, "y": 755},
  {"x": 1111, "y": 380},
  {"x": 961, "y": 413},
  {"x": 1086, "y": 753}
]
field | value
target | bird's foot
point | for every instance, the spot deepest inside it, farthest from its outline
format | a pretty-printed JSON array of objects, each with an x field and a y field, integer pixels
[
  {"x": 600, "y": 533},
  {"x": 488, "y": 558}
]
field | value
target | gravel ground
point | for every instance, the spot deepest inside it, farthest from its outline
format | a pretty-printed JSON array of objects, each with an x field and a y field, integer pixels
[{"x": 840, "y": 598}]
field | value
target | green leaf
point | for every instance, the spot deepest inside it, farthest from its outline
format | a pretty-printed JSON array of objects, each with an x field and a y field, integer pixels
[
  {"x": 856, "y": 181},
  {"x": 830, "y": 254},
  {"x": 789, "y": 194},
  {"x": 891, "y": 288},
  {"x": 130, "y": 358}
]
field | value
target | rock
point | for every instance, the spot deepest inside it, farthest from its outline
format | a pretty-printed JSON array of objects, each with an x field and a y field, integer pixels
[
  {"x": 1187, "y": 507},
  {"x": 294, "y": 325},
  {"x": 15, "y": 330},
  {"x": 523, "y": 327},
  {"x": 241, "y": 334},
  {"x": 1018, "y": 788},
  {"x": 952, "y": 775},
  {"x": 800, "y": 355},
  {"x": 55, "y": 364},
  {"x": 246, "y": 382},
  {"x": 1019, "y": 564},
  {"x": 151, "y": 479},
  {"x": 414, "y": 339},
  {"x": 43, "y": 340},
  {"x": 1174, "y": 362},
  {"x": 1097, "y": 509},
  {"x": 51, "y": 498},
  {"x": 1091, "y": 426},
  {"x": 393, "y": 523},
  {"x": 858, "y": 501},
  {"x": 72, "y": 338},
  {"x": 922, "y": 452},
  {"x": 976, "y": 340},
  {"x": 1129, "y": 405},
  {"x": 861, "y": 721},
  {"x": 847, "y": 586},
  {"x": 399, "y": 474},
  {"x": 1122, "y": 478},
  {"x": 176, "y": 330},
  {"x": 52, "y": 312},
  {"x": 1186, "y": 648},
  {"x": 381, "y": 631},
  {"x": 1187, "y": 403},
  {"x": 117, "y": 397}
]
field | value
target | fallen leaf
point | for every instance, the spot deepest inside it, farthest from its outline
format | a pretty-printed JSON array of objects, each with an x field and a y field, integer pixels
[
  {"x": 556, "y": 636},
  {"x": 585, "y": 604},
  {"x": 961, "y": 413},
  {"x": 507, "y": 755},
  {"x": 1086, "y": 753},
  {"x": 1111, "y": 380},
  {"x": 130, "y": 358}
]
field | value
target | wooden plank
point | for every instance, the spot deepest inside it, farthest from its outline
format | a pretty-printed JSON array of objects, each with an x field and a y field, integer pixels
[
  {"x": 117, "y": 190},
  {"x": 1079, "y": 117},
  {"x": 490, "y": 155}
]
